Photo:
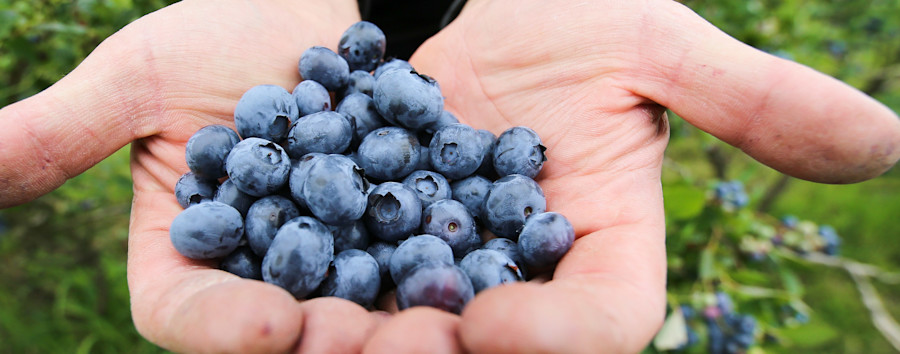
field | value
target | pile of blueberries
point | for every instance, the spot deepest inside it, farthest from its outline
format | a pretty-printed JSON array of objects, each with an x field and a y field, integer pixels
[{"x": 387, "y": 190}]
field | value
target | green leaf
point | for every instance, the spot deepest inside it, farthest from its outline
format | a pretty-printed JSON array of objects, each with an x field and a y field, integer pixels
[
  {"x": 791, "y": 283},
  {"x": 707, "y": 264},
  {"x": 673, "y": 333},
  {"x": 750, "y": 277},
  {"x": 683, "y": 201},
  {"x": 809, "y": 335}
]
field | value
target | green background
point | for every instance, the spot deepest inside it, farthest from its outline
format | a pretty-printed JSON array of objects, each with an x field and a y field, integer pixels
[{"x": 62, "y": 256}]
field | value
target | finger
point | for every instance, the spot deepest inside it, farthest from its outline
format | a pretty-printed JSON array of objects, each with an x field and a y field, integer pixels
[
  {"x": 785, "y": 115},
  {"x": 83, "y": 118},
  {"x": 189, "y": 57},
  {"x": 185, "y": 306},
  {"x": 417, "y": 330},
  {"x": 334, "y": 325},
  {"x": 607, "y": 296}
]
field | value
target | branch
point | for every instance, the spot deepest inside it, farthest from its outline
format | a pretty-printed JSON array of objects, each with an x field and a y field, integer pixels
[
  {"x": 861, "y": 272},
  {"x": 773, "y": 193}
]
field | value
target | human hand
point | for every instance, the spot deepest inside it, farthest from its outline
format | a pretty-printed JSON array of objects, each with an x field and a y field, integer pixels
[
  {"x": 159, "y": 80},
  {"x": 592, "y": 78}
]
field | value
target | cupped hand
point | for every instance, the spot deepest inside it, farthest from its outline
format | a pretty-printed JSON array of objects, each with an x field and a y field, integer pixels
[
  {"x": 158, "y": 80},
  {"x": 592, "y": 78}
]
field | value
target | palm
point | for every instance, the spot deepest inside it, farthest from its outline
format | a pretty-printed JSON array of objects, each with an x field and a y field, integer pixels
[
  {"x": 586, "y": 76},
  {"x": 604, "y": 153},
  {"x": 197, "y": 68}
]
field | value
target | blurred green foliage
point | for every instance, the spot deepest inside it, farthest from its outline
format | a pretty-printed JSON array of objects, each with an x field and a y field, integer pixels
[
  {"x": 857, "y": 42},
  {"x": 62, "y": 257}
]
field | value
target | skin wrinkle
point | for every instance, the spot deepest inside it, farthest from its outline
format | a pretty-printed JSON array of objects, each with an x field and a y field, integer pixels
[
  {"x": 747, "y": 132},
  {"x": 484, "y": 92},
  {"x": 56, "y": 173},
  {"x": 144, "y": 112},
  {"x": 620, "y": 338},
  {"x": 146, "y": 161}
]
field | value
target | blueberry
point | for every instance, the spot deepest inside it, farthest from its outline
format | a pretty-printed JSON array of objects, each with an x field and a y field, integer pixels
[
  {"x": 335, "y": 190},
  {"x": 324, "y": 66},
  {"x": 408, "y": 99},
  {"x": 510, "y": 201},
  {"x": 192, "y": 189},
  {"x": 487, "y": 143},
  {"x": 716, "y": 337},
  {"x": 392, "y": 64},
  {"x": 439, "y": 285},
  {"x": 424, "y": 158},
  {"x": 243, "y": 263},
  {"x": 265, "y": 111},
  {"x": 688, "y": 312},
  {"x": 353, "y": 155},
  {"x": 229, "y": 194},
  {"x": 518, "y": 150},
  {"x": 206, "y": 150},
  {"x": 831, "y": 238},
  {"x": 723, "y": 190},
  {"x": 446, "y": 119},
  {"x": 789, "y": 221},
  {"x": 741, "y": 332},
  {"x": 456, "y": 151},
  {"x": 360, "y": 82},
  {"x": 382, "y": 253},
  {"x": 299, "y": 256},
  {"x": 509, "y": 248},
  {"x": 545, "y": 238},
  {"x": 299, "y": 173},
  {"x": 731, "y": 194},
  {"x": 311, "y": 97},
  {"x": 354, "y": 277},
  {"x": 724, "y": 302},
  {"x": 360, "y": 109},
  {"x": 362, "y": 45},
  {"x": 207, "y": 230},
  {"x": 258, "y": 167},
  {"x": 489, "y": 268},
  {"x": 416, "y": 250},
  {"x": 326, "y": 132},
  {"x": 389, "y": 153},
  {"x": 429, "y": 186},
  {"x": 451, "y": 221},
  {"x": 471, "y": 191},
  {"x": 394, "y": 212},
  {"x": 350, "y": 236},
  {"x": 264, "y": 218}
]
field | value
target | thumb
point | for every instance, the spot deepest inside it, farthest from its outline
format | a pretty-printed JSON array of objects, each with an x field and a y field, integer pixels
[
  {"x": 788, "y": 116},
  {"x": 67, "y": 128}
]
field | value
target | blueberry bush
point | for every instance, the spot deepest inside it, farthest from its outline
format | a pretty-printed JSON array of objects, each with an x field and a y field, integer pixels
[{"x": 757, "y": 261}]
